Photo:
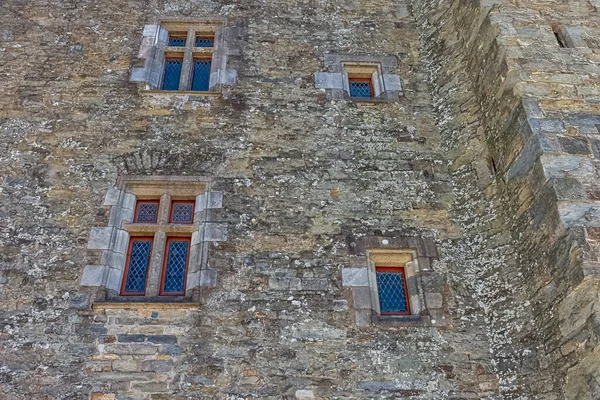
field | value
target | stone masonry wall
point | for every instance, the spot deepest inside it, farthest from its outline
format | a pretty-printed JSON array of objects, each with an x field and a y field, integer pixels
[
  {"x": 507, "y": 87},
  {"x": 302, "y": 178}
]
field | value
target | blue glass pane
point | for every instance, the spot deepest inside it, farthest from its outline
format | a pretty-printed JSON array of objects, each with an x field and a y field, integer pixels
[
  {"x": 182, "y": 213},
  {"x": 204, "y": 42},
  {"x": 177, "y": 41},
  {"x": 360, "y": 89},
  {"x": 392, "y": 298},
  {"x": 176, "y": 266},
  {"x": 146, "y": 212},
  {"x": 172, "y": 73},
  {"x": 138, "y": 266},
  {"x": 201, "y": 75}
]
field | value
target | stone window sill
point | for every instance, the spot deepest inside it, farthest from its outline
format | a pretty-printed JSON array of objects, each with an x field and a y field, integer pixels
[
  {"x": 400, "y": 320},
  {"x": 137, "y": 304},
  {"x": 181, "y": 93}
]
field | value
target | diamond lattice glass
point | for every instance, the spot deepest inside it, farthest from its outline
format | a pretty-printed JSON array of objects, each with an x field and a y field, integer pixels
[
  {"x": 137, "y": 270},
  {"x": 392, "y": 297},
  {"x": 146, "y": 212},
  {"x": 172, "y": 73},
  {"x": 182, "y": 213},
  {"x": 204, "y": 42},
  {"x": 201, "y": 75},
  {"x": 176, "y": 266},
  {"x": 177, "y": 41},
  {"x": 360, "y": 89}
]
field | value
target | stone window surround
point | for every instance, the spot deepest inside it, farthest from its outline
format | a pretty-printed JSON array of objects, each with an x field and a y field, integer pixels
[
  {"x": 113, "y": 240},
  {"x": 386, "y": 85},
  {"x": 424, "y": 291},
  {"x": 154, "y": 46}
]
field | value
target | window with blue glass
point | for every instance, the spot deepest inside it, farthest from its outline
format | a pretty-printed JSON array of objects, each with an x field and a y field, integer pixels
[
  {"x": 172, "y": 73},
  {"x": 361, "y": 87},
  {"x": 204, "y": 41},
  {"x": 392, "y": 291},
  {"x": 201, "y": 74},
  {"x": 177, "y": 39},
  {"x": 137, "y": 264},
  {"x": 175, "y": 267}
]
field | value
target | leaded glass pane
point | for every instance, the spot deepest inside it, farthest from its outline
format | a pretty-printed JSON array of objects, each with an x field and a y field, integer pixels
[
  {"x": 176, "y": 266},
  {"x": 139, "y": 260},
  {"x": 392, "y": 298},
  {"x": 177, "y": 41},
  {"x": 147, "y": 212},
  {"x": 360, "y": 89},
  {"x": 201, "y": 75},
  {"x": 182, "y": 213},
  {"x": 172, "y": 73},
  {"x": 204, "y": 42}
]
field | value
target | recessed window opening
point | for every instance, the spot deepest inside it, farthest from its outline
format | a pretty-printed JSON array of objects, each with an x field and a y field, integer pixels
[
  {"x": 175, "y": 266},
  {"x": 172, "y": 73},
  {"x": 146, "y": 211},
  {"x": 177, "y": 39},
  {"x": 182, "y": 212},
  {"x": 361, "y": 87},
  {"x": 204, "y": 41},
  {"x": 201, "y": 74},
  {"x": 136, "y": 267},
  {"x": 392, "y": 290}
]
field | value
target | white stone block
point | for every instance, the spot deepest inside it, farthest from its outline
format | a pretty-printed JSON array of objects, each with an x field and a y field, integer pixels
[
  {"x": 100, "y": 238},
  {"x": 215, "y": 200},
  {"x": 304, "y": 394},
  {"x": 114, "y": 279},
  {"x": 150, "y": 30},
  {"x": 138, "y": 75},
  {"x": 208, "y": 277},
  {"x": 94, "y": 275},
  {"x": 355, "y": 277},
  {"x": 328, "y": 80},
  {"x": 214, "y": 232},
  {"x": 112, "y": 196},
  {"x": 121, "y": 242},
  {"x": 193, "y": 280},
  {"x": 392, "y": 82}
]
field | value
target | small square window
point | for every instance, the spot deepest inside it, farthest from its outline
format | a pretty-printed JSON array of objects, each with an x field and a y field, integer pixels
[
  {"x": 146, "y": 211},
  {"x": 204, "y": 41},
  {"x": 177, "y": 39},
  {"x": 392, "y": 291},
  {"x": 172, "y": 73},
  {"x": 361, "y": 87},
  {"x": 201, "y": 76},
  {"x": 136, "y": 270},
  {"x": 175, "y": 267},
  {"x": 182, "y": 212}
]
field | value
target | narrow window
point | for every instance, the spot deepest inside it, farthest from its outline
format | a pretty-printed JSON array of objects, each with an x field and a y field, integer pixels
[
  {"x": 172, "y": 73},
  {"x": 175, "y": 267},
  {"x": 201, "y": 76},
  {"x": 136, "y": 270},
  {"x": 182, "y": 212},
  {"x": 177, "y": 39},
  {"x": 204, "y": 41},
  {"x": 146, "y": 211},
  {"x": 361, "y": 87},
  {"x": 392, "y": 291}
]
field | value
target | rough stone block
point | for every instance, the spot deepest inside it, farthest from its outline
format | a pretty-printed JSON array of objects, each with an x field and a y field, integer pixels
[
  {"x": 94, "y": 275},
  {"x": 162, "y": 339},
  {"x": 362, "y": 317},
  {"x": 159, "y": 366},
  {"x": 131, "y": 338},
  {"x": 355, "y": 277},
  {"x": 304, "y": 394},
  {"x": 433, "y": 300}
]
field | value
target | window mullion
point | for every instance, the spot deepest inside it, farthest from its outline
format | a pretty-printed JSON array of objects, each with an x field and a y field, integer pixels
[
  {"x": 160, "y": 240},
  {"x": 188, "y": 61}
]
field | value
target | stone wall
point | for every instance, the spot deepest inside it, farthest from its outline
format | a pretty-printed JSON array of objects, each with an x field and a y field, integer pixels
[
  {"x": 534, "y": 103},
  {"x": 309, "y": 181}
]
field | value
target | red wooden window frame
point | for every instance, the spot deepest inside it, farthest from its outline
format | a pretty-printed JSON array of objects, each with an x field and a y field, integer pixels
[
  {"x": 164, "y": 267},
  {"x": 192, "y": 202},
  {"x": 137, "y": 209},
  {"x": 126, "y": 272},
  {"x": 369, "y": 80},
  {"x": 406, "y": 299}
]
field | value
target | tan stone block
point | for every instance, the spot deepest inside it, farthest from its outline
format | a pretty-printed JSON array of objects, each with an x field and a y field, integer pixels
[{"x": 102, "y": 396}]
